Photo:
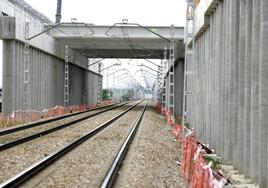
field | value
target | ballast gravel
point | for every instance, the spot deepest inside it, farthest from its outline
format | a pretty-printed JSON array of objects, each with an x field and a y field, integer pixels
[
  {"x": 18, "y": 158},
  {"x": 86, "y": 165},
  {"x": 152, "y": 158},
  {"x": 27, "y": 132}
]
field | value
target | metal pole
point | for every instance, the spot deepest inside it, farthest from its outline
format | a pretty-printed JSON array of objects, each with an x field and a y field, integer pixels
[{"x": 58, "y": 14}]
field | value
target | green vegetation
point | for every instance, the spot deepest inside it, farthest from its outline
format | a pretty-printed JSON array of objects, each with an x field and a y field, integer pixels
[
  {"x": 214, "y": 160},
  {"x": 128, "y": 95},
  {"x": 106, "y": 94}
]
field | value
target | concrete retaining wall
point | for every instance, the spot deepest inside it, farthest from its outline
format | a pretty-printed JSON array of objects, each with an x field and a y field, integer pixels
[
  {"x": 231, "y": 83},
  {"x": 47, "y": 80},
  {"x": 178, "y": 87}
]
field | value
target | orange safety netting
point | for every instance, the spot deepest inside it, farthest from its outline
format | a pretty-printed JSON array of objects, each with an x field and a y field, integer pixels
[
  {"x": 193, "y": 166},
  {"x": 18, "y": 117}
]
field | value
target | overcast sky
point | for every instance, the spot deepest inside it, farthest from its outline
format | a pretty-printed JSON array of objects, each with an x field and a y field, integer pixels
[
  {"x": 108, "y": 12},
  {"x": 103, "y": 12}
]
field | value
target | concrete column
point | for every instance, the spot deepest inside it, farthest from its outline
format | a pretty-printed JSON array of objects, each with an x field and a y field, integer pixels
[
  {"x": 255, "y": 84},
  {"x": 204, "y": 90},
  {"x": 19, "y": 75},
  {"x": 248, "y": 68},
  {"x": 215, "y": 78},
  {"x": 223, "y": 86},
  {"x": 49, "y": 99},
  {"x": 38, "y": 81},
  {"x": 263, "y": 94},
  {"x": 230, "y": 112},
  {"x": 8, "y": 76},
  {"x": 45, "y": 60},
  {"x": 219, "y": 73},
  {"x": 210, "y": 60},
  {"x": 225, "y": 126},
  {"x": 241, "y": 86},
  {"x": 235, "y": 59},
  {"x": 42, "y": 83},
  {"x": 205, "y": 45},
  {"x": 197, "y": 89},
  {"x": 33, "y": 80},
  {"x": 179, "y": 77}
]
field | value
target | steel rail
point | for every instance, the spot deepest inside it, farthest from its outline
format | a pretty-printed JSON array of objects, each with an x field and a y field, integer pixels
[
  {"x": 48, "y": 131},
  {"x": 40, "y": 165},
  {"x": 34, "y": 124},
  {"x": 113, "y": 171}
]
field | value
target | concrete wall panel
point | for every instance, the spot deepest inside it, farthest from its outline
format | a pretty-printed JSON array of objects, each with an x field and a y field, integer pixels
[
  {"x": 47, "y": 80},
  {"x": 263, "y": 94},
  {"x": 178, "y": 87},
  {"x": 231, "y": 84}
]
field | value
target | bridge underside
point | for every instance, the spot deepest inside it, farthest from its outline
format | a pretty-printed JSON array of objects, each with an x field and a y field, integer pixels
[
  {"x": 118, "y": 41},
  {"x": 121, "y": 53}
]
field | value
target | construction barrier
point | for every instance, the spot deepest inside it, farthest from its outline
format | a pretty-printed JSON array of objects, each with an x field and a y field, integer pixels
[
  {"x": 194, "y": 168},
  {"x": 20, "y": 117}
]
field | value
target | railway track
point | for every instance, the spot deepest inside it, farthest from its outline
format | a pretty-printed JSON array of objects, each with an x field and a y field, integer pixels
[
  {"x": 19, "y": 135},
  {"x": 16, "y": 159},
  {"x": 49, "y": 120},
  {"x": 112, "y": 173},
  {"x": 45, "y": 162}
]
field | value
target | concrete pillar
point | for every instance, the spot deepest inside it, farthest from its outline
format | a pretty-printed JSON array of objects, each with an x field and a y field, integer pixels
[
  {"x": 226, "y": 59},
  {"x": 8, "y": 76},
  {"x": 39, "y": 78},
  {"x": 215, "y": 80},
  {"x": 235, "y": 59},
  {"x": 219, "y": 77},
  {"x": 179, "y": 79},
  {"x": 241, "y": 85},
  {"x": 33, "y": 79},
  {"x": 210, "y": 60},
  {"x": 248, "y": 67},
  {"x": 231, "y": 107},
  {"x": 204, "y": 44},
  {"x": 19, "y": 75},
  {"x": 222, "y": 80},
  {"x": 43, "y": 80},
  {"x": 45, "y": 60},
  {"x": 197, "y": 88},
  {"x": 255, "y": 84},
  {"x": 204, "y": 90},
  {"x": 263, "y": 94}
]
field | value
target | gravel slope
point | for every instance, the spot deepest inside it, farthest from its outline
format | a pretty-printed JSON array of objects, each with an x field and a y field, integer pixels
[
  {"x": 87, "y": 165},
  {"x": 151, "y": 160},
  {"x": 18, "y": 158}
]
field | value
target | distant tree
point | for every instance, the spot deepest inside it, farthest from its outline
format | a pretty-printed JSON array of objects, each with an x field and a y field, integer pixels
[
  {"x": 106, "y": 94},
  {"x": 128, "y": 95}
]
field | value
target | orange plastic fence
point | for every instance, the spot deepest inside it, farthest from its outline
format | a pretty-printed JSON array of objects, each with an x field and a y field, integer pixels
[
  {"x": 18, "y": 117},
  {"x": 193, "y": 166}
]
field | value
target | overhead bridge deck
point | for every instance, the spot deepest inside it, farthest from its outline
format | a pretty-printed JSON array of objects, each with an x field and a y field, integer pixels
[{"x": 121, "y": 40}]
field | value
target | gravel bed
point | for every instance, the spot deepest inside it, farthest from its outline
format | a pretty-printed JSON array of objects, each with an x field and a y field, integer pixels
[
  {"x": 27, "y": 132},
  {"x": 16, "y": 159},
  {"x": 151, "y": 159},
  {"x": 87, "y": 164}
]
